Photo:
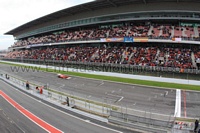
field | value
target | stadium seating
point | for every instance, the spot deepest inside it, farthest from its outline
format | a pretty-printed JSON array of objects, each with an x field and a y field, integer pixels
[
  {"x": 186, "y": 58},
  {"x": 144, "y": 55},
  {"x": 159, "y": 31}
]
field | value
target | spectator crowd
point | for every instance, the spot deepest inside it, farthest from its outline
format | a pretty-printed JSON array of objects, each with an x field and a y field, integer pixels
[
  {"x": 162, "y": 31},
  {"x": 142, "y": 55}
]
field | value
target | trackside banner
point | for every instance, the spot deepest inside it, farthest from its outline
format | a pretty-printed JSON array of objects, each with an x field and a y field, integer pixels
[
  {"x": 140, "y": 39},
  {"x": 128, "y": 39},
  {"x": 125, "y": 39},
  {"x": 177, "y": 39},
  {"x": 112, "y": 39}
]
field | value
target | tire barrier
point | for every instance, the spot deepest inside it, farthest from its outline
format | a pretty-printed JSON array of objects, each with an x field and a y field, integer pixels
[{"x": 184, "y": 125}]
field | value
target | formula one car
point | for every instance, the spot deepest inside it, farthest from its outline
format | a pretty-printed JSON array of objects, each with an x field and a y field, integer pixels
[{"x": 62, "y": 76}]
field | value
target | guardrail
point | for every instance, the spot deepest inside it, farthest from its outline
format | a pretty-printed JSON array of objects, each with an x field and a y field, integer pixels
[{"x": 142, "y": 122}]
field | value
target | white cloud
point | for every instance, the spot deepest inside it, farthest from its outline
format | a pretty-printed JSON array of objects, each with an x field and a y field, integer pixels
[{"x": 14, "y": 13}]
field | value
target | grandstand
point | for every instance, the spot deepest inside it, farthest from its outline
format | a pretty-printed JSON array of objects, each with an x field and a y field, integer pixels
[{"x": 145, "y": 33}]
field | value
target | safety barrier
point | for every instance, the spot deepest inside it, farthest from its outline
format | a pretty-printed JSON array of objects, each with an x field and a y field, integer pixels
[{"x": 152, "y": 124}]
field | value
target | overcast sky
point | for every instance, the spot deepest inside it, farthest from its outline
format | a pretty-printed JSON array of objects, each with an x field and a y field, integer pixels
[{"x": 14, "y": 13}]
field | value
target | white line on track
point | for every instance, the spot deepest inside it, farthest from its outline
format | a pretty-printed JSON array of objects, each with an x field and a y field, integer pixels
[
  {"x": 67, "y": 113},
  {"x": 166, "y": 93},
  {"x": 120, "y": 97},
  {"x": 177, "y": 112},
  {"x": 102, "y": 83}
]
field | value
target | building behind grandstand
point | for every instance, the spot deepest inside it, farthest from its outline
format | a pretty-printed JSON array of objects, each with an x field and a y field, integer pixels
[
  {"x": 3, "y": 53},
  {"x": 154, "y": 33}
]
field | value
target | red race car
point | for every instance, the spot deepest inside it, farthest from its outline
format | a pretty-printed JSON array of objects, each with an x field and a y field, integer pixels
[{"x": 62, "y": 76}]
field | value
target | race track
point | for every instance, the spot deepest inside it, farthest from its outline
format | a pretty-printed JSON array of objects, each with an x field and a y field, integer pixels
[
  {"x": 151, "y": 99},
  {"x": 13, "y": 121},
  {"x": 59, "y": 119}
]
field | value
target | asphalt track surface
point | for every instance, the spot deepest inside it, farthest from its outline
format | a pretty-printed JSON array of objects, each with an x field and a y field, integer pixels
[
  {"x": 63, "y": 120},
  {"x": 12, "y": 121},
  {"x": 151, "y": 99}
]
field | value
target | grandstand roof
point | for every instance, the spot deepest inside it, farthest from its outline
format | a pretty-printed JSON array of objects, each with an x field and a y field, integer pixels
[{"x": 91, "y": 6}]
